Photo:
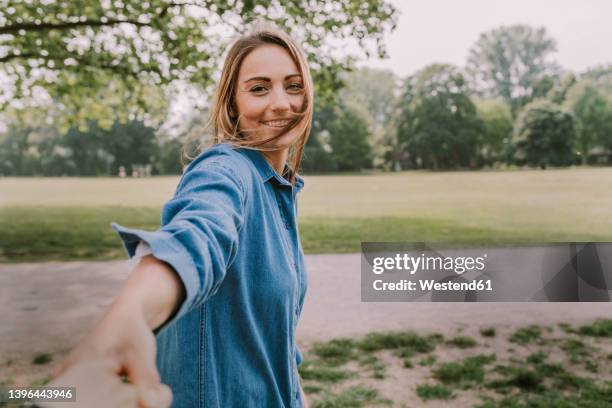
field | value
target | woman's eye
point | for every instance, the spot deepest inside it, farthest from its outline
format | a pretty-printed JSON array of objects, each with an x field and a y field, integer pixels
[
  {"x": 258, "y": 88},
  {"x": 295, "y": 87}
]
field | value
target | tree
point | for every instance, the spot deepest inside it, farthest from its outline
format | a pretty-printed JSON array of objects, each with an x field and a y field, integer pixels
[
  {"x": 13, "y": 151},
  {"x": 438, "y": 123},
  {"x": 372, "y": 89},
  {"x": 74, "y": 50},
  {"x": 513, "y": 63},
  {"x": 559, "y": 92},
  {"x": 496, "y": 117},
  {"x": 544, "y": 135},
  {"x": 602, "y": 75},
  {"x": 317, "y": 152},
  {"x": 29, "y": 151},
  {"x": 593, "y": 113},
  {"x": 372, "y": 94},
  {"x": 349, "y": 134}
]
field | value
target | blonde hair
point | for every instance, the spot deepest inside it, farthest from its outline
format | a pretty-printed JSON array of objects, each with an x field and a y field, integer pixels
[{"x": 223, "y": 120}]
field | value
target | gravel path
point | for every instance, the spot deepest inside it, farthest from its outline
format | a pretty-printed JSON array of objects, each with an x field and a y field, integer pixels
[{"x": 47, "y": 307}]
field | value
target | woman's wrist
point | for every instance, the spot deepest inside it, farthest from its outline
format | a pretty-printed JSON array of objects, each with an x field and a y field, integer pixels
[{"x": 153, "y": 290}]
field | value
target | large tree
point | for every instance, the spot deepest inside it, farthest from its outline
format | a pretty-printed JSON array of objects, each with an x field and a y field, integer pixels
[
  {"x": 438, "y": 125},
  {"x": 593, "y": 113},
  {"x": 349, "y": 133},
  {"x": 372, "y": 94},
  {"x": 497, "y": 120},
  {"x": 513, "y": 63},
  {"x": 544, "y": 135},
  {"x": 75, "y": 50}
]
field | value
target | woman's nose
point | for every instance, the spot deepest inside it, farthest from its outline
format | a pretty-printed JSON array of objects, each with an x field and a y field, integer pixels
[{"x": 280, "y": 101}]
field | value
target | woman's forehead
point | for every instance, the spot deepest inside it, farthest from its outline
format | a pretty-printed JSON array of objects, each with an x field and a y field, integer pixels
[{"x": 268, "y": 61}]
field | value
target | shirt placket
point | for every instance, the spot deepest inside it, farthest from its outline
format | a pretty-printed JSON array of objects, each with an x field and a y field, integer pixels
[{"x": 289, "y": 225}]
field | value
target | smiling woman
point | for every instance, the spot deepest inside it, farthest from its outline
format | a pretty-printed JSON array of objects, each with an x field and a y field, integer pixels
[
  {"x": 264, "y": 100},
  {"x": 212, "y": 305}
]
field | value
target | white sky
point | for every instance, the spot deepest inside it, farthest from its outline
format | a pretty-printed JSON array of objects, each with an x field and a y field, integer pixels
[{"x": 444, "y": 30}]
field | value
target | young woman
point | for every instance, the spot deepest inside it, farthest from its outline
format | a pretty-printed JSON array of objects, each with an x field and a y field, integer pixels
[{"x": 214, "y": 301}]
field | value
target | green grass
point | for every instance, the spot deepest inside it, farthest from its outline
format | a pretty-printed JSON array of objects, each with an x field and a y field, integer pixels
[
  {"x": 68, "y": 218},
  {"x": 538, "y": 357},
  {"x": 37, "y": 234},
  {"x": 600, "y": 328},
  {"x": 84, "y": 233},
  {"x": 537, "y": 380},
  {"x": 526, "y": 335},
  {"x": 40, "y": 382},
  {"x": 428, "y": 361},
  {"x": 488, "y": 332},
  {"x": 464, "y": 374},
  {"x": 335, "y": 352},
  {"x": 407, "y": 341},
  {"x": 462, "y": 342},
  {"x": 436, "y": 391},
  {"x": 312, "y": 389},
  {"x": 354, "y": 397},
  {"x": 575, "y": 349},
  {"x": 310, "y": 371},
  {"x": 42, "y": 358},
  {"x": 526, "y": 379},
  {"x": 592, "y": 396}
]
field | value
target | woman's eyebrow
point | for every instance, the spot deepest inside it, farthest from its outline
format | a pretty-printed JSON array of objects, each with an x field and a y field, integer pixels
[{"x": 266, "y": 79}]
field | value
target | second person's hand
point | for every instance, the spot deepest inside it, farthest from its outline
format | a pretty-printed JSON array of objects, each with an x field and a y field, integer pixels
[{"x": 121, "y": 345}]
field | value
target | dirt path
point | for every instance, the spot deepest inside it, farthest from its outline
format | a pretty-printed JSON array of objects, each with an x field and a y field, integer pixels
[{"x": 47, "y": 307}]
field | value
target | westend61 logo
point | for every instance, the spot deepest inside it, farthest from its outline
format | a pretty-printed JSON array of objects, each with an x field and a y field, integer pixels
[
  {"x": 413, "y": 264},
  {"x": 558, "y": 272}
]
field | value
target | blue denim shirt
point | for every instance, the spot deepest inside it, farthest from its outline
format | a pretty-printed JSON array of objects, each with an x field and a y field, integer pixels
[{"x": 230, "y": 233}]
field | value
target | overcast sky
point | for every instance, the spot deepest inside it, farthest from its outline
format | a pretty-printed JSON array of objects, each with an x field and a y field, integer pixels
[{"x": 444, "y": 30}]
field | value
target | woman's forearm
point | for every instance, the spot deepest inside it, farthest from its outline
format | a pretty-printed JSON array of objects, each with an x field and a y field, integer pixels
[{"x": 153, "y": 288}]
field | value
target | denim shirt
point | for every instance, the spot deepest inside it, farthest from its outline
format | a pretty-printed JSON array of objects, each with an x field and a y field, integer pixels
[{"x": 230, "y": 233}]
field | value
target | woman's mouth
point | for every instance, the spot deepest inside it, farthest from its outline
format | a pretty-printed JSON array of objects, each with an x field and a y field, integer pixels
[{"x": 276, "y": 123}]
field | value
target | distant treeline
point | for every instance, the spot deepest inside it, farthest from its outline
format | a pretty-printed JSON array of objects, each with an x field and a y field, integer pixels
[{"x": 511, "y": 105}]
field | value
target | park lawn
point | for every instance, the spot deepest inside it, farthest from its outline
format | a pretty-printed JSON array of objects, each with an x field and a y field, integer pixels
[
  {"x": 69, "y": 218},
  {"x": 79, "y": 233}
]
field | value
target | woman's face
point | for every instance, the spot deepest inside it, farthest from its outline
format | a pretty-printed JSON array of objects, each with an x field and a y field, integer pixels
[{"x": 270, "y": 92}]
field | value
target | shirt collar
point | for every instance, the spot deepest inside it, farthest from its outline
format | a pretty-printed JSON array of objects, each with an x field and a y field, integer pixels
[{"x": 266, "y": 172}]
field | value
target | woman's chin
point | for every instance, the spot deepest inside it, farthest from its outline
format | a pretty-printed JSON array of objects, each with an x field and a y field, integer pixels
[{"x": 283, "y": 142}]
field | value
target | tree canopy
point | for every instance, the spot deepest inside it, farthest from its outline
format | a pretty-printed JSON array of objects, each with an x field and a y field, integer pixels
[
  {"x": 593, "y": 113},
  {"x": 73, "y": 50},
  {"x": 438, "y": 124},
  {"x": 513, "y": 63},
  {"x": 544, "y": 135}
]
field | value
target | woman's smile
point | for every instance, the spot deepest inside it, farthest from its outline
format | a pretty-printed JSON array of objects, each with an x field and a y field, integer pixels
[{"x": 279, "y": 123}]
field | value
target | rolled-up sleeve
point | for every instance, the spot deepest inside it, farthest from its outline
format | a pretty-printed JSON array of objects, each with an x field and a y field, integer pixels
[{"x": 199, "y": 232}]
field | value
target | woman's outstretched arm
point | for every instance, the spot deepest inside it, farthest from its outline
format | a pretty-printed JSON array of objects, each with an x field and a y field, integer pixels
[
  {"x": 191, "y": 252},
  {"x": 122, "y": 342}
]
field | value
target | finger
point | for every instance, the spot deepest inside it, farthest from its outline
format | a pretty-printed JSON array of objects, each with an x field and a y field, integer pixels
[
  {"x": 160, "y": 397},
  {"x": 128, "y": 396},
  {"x": 141, "y": 369},
  {"x": 142, "y": 372}
]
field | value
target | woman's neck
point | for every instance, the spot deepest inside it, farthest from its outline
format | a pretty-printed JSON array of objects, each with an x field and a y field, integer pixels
[{"x": 277, "y": 159}]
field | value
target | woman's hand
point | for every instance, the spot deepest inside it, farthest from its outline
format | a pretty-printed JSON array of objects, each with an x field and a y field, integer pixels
[{"x": 122, "y": 344}]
